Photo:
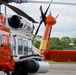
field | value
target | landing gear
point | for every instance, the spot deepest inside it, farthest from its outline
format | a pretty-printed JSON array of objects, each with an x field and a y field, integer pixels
[
  {"x": 8, "y": 72},
  {"x": 16, "y": 73},
  {"x": 19, "y": 71}
]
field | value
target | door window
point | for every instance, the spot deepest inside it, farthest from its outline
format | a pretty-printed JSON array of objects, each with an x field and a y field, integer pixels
[
  {"x": 25, "y": 47},
  {"x": 19, "y": 46}
]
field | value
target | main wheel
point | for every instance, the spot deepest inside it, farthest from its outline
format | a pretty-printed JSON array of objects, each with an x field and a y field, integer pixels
[
  {"x": 16, "y": 73},
  {"x": 19, "y": 72}
]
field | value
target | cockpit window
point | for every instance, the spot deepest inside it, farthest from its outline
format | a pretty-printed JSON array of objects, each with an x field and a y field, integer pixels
[
  {"x": 13, "y": 45},
  {"x": 19, "y": 46},
  {"x": 25, "y": 47}
]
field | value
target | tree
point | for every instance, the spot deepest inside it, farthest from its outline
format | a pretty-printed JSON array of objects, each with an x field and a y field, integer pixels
[
  {"x": 74, "y": 41},
  {"x": 38, "y": 38},
  {"x": 55, "y": 43},
  {"x": 36, "y": 44},
  {"x": 66, "y": 42}
]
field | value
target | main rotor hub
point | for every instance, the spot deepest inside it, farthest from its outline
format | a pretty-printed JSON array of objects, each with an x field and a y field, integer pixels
[{"x": 50, "y": 20}]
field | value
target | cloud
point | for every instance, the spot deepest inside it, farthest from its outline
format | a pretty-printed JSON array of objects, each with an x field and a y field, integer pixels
[{"x": 66, "y": 22}]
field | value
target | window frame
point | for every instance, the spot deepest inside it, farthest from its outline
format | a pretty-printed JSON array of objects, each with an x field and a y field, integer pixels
[
  {"x": 20, "y": 47},
  {"x": 24, "y": 40},
  {"x": 13, "y": 44}
]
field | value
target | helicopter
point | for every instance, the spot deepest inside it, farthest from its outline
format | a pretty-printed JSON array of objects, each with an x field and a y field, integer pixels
[
  {"x": 17, "y": 54},
  {"x": 16, "y": 45}
]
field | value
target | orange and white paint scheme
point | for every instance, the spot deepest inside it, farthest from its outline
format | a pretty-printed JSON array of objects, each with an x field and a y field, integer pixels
[
  {"x": 45, "y": 44},
  {"x": 6, "y": 59},
  {"x": 2, "y": 20},
  {"x": 16, "y": 47},
  {"x": 54, "y": 55}
]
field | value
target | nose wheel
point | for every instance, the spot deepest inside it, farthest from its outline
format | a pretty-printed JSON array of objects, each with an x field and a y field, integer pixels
[
  {"x": 16, "y": 72},
  {"x": 19, "y": 72},
  {"x": 8, "y": 72}
]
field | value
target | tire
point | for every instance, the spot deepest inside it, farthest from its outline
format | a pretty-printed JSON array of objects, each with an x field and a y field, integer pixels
[
  {"x": 19, "y": 73},
  {"x": 16, "y": 73}
]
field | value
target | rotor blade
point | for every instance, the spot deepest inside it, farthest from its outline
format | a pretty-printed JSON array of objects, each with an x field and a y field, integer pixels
[
  {"x": 47, "y": 2},
  {"x": 38, "y": 27},
  {"x": 20, "y": 12},
  {"x": 33, "y": 1},
  {"x": 43, "y": 19},
  {"x": 48, "y": 8},
  {"x": 37, "y": 31},
  {"x": 42, "y": 14}
]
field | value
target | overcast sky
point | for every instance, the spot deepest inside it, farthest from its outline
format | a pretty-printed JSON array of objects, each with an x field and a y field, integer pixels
[{"x": 66, "y": 22}]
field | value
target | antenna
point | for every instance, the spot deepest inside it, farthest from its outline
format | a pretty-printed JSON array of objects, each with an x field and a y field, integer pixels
[{"x": 59, "y": 13}]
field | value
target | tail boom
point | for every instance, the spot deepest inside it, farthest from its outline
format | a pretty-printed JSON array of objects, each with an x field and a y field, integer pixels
[{"x": 45, "y": 44}]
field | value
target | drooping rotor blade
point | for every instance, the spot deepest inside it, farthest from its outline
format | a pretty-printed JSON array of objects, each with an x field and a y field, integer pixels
[
  {"x": 42, "y": 14},
  {"x": 36, "y": 31},
  {"x": 48, "y": 7},
  {"x": 47, "y": 2},
  {"x": 59, "y": 13},
  {"x": 43, "y": 19},
  {"x": 19, "y": 12},
  {"x": 34, "y": 1},
  {"x": 7, "y": 1},
  {"x": 41, "y": 10}
]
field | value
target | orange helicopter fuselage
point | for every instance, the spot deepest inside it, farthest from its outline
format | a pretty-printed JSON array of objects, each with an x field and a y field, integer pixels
[{"x": 6, "y": 59}]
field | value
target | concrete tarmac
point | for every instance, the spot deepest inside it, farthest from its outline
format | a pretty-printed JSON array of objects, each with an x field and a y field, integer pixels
[
  {"x": 59, "y": 69},
  {"x": 62, "y": 69}
]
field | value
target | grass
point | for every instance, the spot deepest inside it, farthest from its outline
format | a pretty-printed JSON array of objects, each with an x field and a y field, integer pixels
[{"x": 54, "y": 62}]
